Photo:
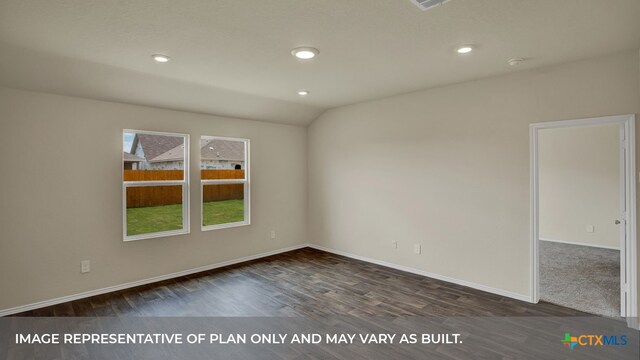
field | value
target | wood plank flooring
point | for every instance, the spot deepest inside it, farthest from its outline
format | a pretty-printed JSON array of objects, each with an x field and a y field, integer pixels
[{"x": 304, "y": 282}]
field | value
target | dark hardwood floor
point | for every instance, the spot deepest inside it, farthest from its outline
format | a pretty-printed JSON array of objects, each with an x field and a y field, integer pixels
[{"x": 304, "y": 282}]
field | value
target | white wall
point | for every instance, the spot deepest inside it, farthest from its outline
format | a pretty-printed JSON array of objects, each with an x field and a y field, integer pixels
[
  {"x": 448, "y": 168},
  {"x": 579, "y": 182},
  {"x": 61, "y": 195}
]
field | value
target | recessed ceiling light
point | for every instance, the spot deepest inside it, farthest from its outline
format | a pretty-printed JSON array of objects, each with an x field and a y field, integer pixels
[
  {"x": 160, "y": 58},
  {"x": 516, "y": 61},
  {"x": 303, "y": 92},
  {"x": 465, "y": 49},
  {"x": 305, "y": 53}
]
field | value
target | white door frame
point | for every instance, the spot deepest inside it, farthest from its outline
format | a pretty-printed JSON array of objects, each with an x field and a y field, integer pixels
[{"x": 628, "y": 246}]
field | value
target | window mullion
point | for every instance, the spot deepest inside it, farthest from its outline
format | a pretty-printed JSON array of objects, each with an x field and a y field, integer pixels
[
  {"x": 154, "y": 183},
  {"x": 223, "y": 182}
]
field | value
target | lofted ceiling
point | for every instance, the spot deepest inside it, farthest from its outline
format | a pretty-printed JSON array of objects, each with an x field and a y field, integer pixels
[{"x": 232, "y": 57}]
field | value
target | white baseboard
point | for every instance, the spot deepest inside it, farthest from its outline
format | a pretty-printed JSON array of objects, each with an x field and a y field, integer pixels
[
  {"x": 488, "y": 289},
  {"x": 581, "y": 244},
  {"x": 86, "y": 294}
]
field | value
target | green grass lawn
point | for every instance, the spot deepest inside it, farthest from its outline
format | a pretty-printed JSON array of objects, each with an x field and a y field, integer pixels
[
  {"x": 169, "y": 217},
  {"x": 152, "y": 219},
  {"x": 222, "y": 212}
]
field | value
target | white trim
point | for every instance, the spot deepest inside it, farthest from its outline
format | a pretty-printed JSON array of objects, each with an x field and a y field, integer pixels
[
  {"x": 225, "y": 225},
  {"x": 86, "y": 294},
  {"x": 157, "y": 235},
  {"x": 185, "y": 183},
  {"x": 212, "y": 137},
  {"x": 222, "y": 181},
  {"x": 614, "y": 119},
  {"x": 628, "y": 246},
  {"x": 485, "y": 288},
  {"x": 631, "y": 223},
  {"x": 581, "y": 244},
  {"x": 246, "y": 182},
  {"x": 153, "y": 183}
]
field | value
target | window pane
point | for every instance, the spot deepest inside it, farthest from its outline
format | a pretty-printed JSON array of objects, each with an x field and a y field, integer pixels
[
  {"x": 148, "y": 157},
  {"x": 152, "y": 209},
  {"x": 228, "y": 157},
  {"x": 222, "y": 204}
]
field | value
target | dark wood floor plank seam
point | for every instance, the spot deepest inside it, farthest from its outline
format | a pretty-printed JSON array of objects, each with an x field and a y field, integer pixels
[{"x": 305, "y": 282}]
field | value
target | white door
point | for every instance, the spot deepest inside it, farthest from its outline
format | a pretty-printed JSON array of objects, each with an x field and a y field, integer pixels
[{"x": 622, "y": 224}]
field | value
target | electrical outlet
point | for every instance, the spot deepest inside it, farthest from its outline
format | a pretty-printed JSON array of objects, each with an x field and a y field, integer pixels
[
  {"x": 394, "y": 244},
  {"x": 85, "y": 266},
  {"x": 417, "y": 248},
  {"x": 590, "y": 228},
  {"x": 273, "y": 234}
]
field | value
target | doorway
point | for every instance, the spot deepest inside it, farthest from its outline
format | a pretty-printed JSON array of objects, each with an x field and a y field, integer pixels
[{"x": 599, "y": 247}]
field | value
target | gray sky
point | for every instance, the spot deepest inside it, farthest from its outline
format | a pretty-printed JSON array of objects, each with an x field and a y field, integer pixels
[{"x": 127, "y": 139}]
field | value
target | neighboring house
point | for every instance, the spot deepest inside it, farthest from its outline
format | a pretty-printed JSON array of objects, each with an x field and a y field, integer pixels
[
  {"x": 149, "y": 147},
  {"x": 221, "y": 154},
  {"x": 131, "y": 162},
  {"x": 161, "y": 152}
]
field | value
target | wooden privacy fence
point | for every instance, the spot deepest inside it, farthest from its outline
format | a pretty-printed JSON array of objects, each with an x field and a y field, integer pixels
[
  {"x": 172, "y": 194},
  {"x": 153, "y": 196},
  {"x": 150, "y": 175},
  {"x": 222, "y": 192},
  {"x": 221, "y": 174}
]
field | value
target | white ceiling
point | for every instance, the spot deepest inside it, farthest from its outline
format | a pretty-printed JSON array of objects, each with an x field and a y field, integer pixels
[{"x": 232, "y": 57}]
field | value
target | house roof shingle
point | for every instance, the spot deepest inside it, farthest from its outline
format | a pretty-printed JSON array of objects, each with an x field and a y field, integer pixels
[
  {"x": 175, "y": 154},
  {"x": 131, "y": 158},
  {"x": 161, "y": 148},
  {"x": 219, "y": 149},
  {"x": 156, "y": 145}
]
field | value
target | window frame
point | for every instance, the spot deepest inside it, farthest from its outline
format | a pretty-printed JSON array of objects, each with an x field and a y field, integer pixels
[
  {"x": 186, "y": 214},
  {"x": 246, "y": 182}
]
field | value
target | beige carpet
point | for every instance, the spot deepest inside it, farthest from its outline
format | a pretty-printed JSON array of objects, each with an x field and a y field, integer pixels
[{"x": 580, "y": 277}]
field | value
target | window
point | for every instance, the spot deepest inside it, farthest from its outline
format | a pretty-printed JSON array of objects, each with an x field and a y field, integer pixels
[
  {"x": 155, "y": 185},
  {"x": 224, "y": 174}
]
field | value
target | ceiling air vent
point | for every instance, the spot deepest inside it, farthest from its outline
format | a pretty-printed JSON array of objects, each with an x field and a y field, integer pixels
[{"x": 428, "y": 4}]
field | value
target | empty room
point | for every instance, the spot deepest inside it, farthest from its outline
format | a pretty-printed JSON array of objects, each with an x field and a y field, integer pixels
[{"x": 335, "y": 179}]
